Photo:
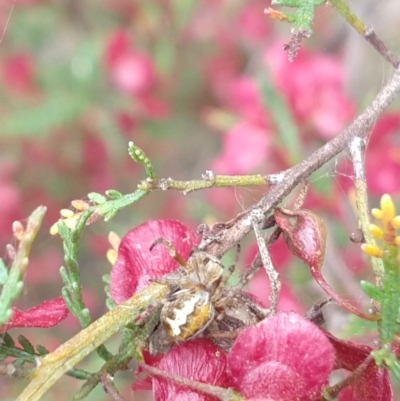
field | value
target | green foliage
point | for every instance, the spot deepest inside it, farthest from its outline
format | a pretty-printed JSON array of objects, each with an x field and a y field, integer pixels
[
  {"x": 25, "y": 353},
  {"x": 391, "y": 292},
  {"x": 372, "y": 291},
  {"x": 303, "y": 17},
  {"x": 139, "y": 156},
  {"x": 12, "y": 280}
]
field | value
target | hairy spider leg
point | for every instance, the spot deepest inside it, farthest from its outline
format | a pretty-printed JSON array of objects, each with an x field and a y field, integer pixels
[{"x": 172, "y": 251}]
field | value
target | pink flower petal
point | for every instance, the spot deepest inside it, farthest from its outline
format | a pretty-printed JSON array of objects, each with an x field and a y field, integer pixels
[
  {"x": 136, "y": 265},
  {"x": 199, "y": 360},
  {"x": 373, "y": 385},
  {"x": 245, "y": 147},
  {"x": 133, "y": 73},
  {"x": 313, "y": 87},
  {"x": 46, "y": 314},
  {"x": 285, "y": 357}
]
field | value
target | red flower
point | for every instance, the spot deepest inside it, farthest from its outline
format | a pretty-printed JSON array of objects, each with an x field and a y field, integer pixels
[
  {"x": 373, "y": 384},
  {"x": 313, "y": 87},
  {"x": 18, "y": 73},
  {"x": 136, "y": 265},
  {"x": 247, "y": 144},
  {"x": 47, "y": 314},
  {"x": 131, "y": 71},
  {"x": 198, "y": 360},
  {"x": 284, "y": 357}
]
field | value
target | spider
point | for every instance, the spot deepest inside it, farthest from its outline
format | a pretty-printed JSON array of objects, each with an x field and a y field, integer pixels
[{"x": 200, "y": 303}]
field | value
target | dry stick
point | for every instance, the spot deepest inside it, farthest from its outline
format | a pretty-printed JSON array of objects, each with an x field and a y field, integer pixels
[
  {"x": 273, "y": 275},
  {"x": 357, "y": 152},
  {"x": 219, "y": 392},
  {"x": 367, "y": 31},
  {"x": 360, "y": 127},
  {"x": 209, "y": 180}
]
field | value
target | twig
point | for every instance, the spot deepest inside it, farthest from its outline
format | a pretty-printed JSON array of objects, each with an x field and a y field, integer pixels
[
  {"x": 209, "y": 180},
  {"x": 273, "y": 275},
  {"x": 367, "y": 31},
  {"x": 357, "y": 152},
  {"x": 241, "y": 226},
  {"x": 333, "y": 391},
  {"x": 219, "y": 392}
]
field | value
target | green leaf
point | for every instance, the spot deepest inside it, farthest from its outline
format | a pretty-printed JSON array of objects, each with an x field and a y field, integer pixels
[
  {"x": 113, "y": 194},
  {"x": 139, "y": 156},
  {"x": 26, "y": 345},
  {"x": 97, "y": 198},
  {"x": 42, "y": 350},
  {"x": 303, "y": 17},
  {"x": 7, "y": 340},
  {"x": 395, "y": 368},
  {"x": 372, "y": 291}
]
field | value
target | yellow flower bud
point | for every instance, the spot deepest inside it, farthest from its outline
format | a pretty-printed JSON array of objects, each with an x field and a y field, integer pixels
[
  {"x": 372, "y": 250},
  {"x": 377, "y": 213},
  {"x": 387, "y": 207},
  {"x": 376, "y": 231},
  {"x": 396, "y": 222},
  {"x": 66, "y": 213},
  {"x": 112, "y": 255},
  {"x": 80, "y": 204},
  {"x": 54, "y": 229},
  {"x": 114, "y": 240}
]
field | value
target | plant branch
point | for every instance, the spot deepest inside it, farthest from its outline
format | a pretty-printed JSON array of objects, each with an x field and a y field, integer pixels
[
  {"x": 234, "y": 230},
  {"x": 209, "y": 180},
  {"x": 67, "y": 355},
  {"x": 219, "y": 392},
  {"x": 366, "y": 31},
  {"x": 357, "y": 152},
  {"x": 273, "y": 275}
]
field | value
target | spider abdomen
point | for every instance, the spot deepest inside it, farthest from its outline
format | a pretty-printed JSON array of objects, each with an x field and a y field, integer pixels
[{"x": 187, "y": 314}]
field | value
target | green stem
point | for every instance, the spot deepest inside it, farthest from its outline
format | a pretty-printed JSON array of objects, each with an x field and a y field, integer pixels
[
  {"x": 364, "y": 222},
  {"x": 342, "y": 8},
  {"x": 66, "y": 356},
  {"x": 209, "y": 181}
]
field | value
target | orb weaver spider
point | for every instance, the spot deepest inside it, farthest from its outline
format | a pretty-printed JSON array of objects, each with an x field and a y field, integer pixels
[{"x": 201, "y": 304}]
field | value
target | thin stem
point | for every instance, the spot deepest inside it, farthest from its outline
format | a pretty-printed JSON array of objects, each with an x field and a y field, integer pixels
[
  {"x": 209, "y": 180},
  {"x": 357, "y": 152},
  {"x": 219, "y": 392},
  {"x": 273, "y": 275},
  {"x": 364, "y": 30}
]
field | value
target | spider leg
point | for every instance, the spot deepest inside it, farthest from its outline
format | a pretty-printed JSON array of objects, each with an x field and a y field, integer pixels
[
  {"x": 171, "y": 249},
  {"x": 220, "y": 296},
  {"x": 231, "y": 268}
]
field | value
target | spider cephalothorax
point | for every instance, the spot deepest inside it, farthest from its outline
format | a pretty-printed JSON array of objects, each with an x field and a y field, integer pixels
[{"x": 199, "y": 299}]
